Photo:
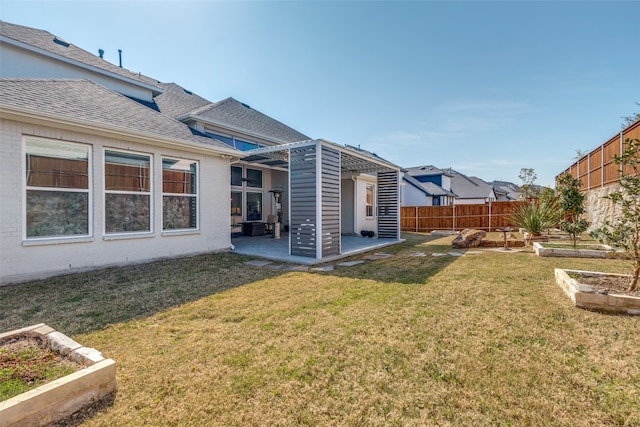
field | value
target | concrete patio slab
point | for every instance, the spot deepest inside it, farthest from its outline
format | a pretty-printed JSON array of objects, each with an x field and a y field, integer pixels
[
  {"x": 350, "y": 263},
  {"x": 278, "y": 249}
]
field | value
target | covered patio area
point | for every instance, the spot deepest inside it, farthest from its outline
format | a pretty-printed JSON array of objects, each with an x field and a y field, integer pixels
[
  {"x": 319, "y": 207},
  {"x": 278, "y": 249}
]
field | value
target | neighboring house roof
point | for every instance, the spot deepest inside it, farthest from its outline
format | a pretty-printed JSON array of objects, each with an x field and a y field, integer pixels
[
  {"x": 239, "y": 116},
  {"x": 469, "y": 187},
  {"x": 508, "y": 189},
  {"x": 428, "y": 170},
  {"x": 428, "y": 188},
  {"x": 50, "y": 45},
  {"x": 85, "y": 102}
]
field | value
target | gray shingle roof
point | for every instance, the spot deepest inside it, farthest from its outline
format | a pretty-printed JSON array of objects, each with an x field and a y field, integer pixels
[
  {"x": 235, "y": 114},
  {"x": 429, "y": 188},
  {"x": 428, "y": 170},
  {"x": 88, "y": 102},
  {"x": 45, "y": 41},
  {"x": 177, "y": 101},
  {"x": 469, "y": 187}
]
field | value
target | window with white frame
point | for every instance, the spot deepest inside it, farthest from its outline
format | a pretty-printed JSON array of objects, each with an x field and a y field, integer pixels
[
  {"x": 58, "y": 196},
  {"x": 236, "y": 176},
  {"x": 254, "y": 178},
  {"x": 254, "y": 206},
  {"x": 179, "y": 194},
  {"x": 370, "y": 200},
  {"x": 127, "y": 198}
]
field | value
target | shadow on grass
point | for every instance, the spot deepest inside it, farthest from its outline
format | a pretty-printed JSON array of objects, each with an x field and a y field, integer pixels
[{"x": 84, "y": 302}]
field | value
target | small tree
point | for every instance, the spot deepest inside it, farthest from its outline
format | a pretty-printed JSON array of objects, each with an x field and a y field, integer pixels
[
  {"x": 571, "y": 203},
  {"x": 527, "y": 190},
  {"x": 624, "y": 232}
]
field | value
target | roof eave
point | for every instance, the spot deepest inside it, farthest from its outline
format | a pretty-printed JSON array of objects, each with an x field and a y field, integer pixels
[
  {"x": 195, "y": 117},
  {"x": 10, "y": 112}
]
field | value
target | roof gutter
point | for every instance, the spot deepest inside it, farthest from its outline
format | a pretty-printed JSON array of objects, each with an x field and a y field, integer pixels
[{"x": 9, "y": 112}]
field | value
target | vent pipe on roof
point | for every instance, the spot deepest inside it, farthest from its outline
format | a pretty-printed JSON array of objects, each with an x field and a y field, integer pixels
[
  {"x": 101, "y": 53},
  {"x": 120, "y": 56}
]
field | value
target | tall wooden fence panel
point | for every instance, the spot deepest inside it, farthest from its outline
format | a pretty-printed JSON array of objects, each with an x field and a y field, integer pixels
[
  {"x": 597, "y": 168},
  {"x": 456, "y": 217}
]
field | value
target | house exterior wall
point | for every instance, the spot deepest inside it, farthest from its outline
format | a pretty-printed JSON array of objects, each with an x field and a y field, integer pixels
[
  {"x": 347, "y": 206},
  {"x": 22, "y": 259},
  {"x": 364, "y": 222},
  {"x": 446, "y": 182},
  {"x": 20, "y": 63},
  {"x": 470, "y": 201},
  {"x": 411, "y": 196}
]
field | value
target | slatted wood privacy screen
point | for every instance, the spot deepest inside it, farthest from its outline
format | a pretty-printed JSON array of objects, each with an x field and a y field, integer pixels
[
  {"x": 330, "y": 201},
  {"x": 388, "y": 222},
  {"x": 302, "y": 169},
  {"x": 457, "y": 217}
]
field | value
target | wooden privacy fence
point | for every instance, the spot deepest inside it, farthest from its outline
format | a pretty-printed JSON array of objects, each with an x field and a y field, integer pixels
[
  {"x": 597, "y": 168},
  {"x": 456, "y": 217}
]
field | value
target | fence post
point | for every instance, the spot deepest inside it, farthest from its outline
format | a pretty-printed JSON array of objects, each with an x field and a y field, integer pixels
[
  {"x": 416, "y": 215},
  {"x": 454, "y": 218},
  {"x": 489, "y": 215}
]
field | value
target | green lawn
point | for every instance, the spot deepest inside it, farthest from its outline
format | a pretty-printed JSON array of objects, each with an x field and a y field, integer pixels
[{"x": 485, "y": 339}]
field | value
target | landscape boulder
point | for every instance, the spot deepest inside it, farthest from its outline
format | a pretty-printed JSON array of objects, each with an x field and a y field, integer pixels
[{"x": 468, "y": 238}]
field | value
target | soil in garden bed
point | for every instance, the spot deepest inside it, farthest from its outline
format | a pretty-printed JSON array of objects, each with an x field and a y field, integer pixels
[
  {"x": 610, "y": 285},
  {"x": 27, "y": 363}
]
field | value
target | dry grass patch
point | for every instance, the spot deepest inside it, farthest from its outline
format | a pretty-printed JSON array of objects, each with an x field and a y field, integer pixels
[{"x": 484, "y": 339}]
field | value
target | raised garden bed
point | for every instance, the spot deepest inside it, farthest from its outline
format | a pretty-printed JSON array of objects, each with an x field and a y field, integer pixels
[
  {"x": 58, "y": 399},
  {"x": 589, "y": 290},
  {"x": 581, "y": 251}
]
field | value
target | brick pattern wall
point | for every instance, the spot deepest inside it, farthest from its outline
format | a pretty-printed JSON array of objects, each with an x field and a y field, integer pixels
[{"x": 26, "y": 259}]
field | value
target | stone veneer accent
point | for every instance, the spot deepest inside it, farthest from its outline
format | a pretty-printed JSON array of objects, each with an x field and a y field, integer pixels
[
  {"x": 58, "y": 399},
  {"x": 599, "y": 209}
]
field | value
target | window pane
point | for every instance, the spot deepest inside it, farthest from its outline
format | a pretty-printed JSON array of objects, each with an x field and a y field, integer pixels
[
  {"x": 369, "y": 200},
  {"x": 236, "y": 176},
  {"x": 126, "y": 213},
  {"x": 254, "y": 206},
  {"x": 56, "y": 164},
  {"x": 254, "y": 178},
  {"x": 236, "y": 203},
  {"x": 55, "y": 213},
  {"x": 179, "y": 212},
  {"x": 179, "y": 176},
  {"x": 126, "y": 171}
]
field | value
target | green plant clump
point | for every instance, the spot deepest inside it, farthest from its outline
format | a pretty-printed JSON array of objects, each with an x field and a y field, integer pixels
[
  {"x": 535, "y": 217},
  {"x": 624, "y": 231},
  {"x": 571, "y": 203}
]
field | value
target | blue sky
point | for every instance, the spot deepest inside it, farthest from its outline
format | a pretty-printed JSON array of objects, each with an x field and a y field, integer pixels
[{"x": 487, "y": 88}]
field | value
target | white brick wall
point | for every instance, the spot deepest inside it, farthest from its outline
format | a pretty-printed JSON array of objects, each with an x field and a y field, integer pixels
[{"x": 24, "y": 260}]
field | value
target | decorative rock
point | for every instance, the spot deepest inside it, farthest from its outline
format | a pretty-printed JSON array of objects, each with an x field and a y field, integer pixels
[
  {"x": 62, "y": 343},
  {"x": 468, "y": 238},
  {"x": 418, "y": 254},
  {"x": 86, "y": 356}
]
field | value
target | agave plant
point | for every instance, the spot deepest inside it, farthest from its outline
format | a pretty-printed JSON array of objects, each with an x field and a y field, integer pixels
[{"x": 537, "y": 216}]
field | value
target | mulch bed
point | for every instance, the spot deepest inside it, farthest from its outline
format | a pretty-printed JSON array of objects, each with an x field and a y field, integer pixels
[
  {"x": 29, "y": 370},
  {"x": 609, "y": 285}
]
